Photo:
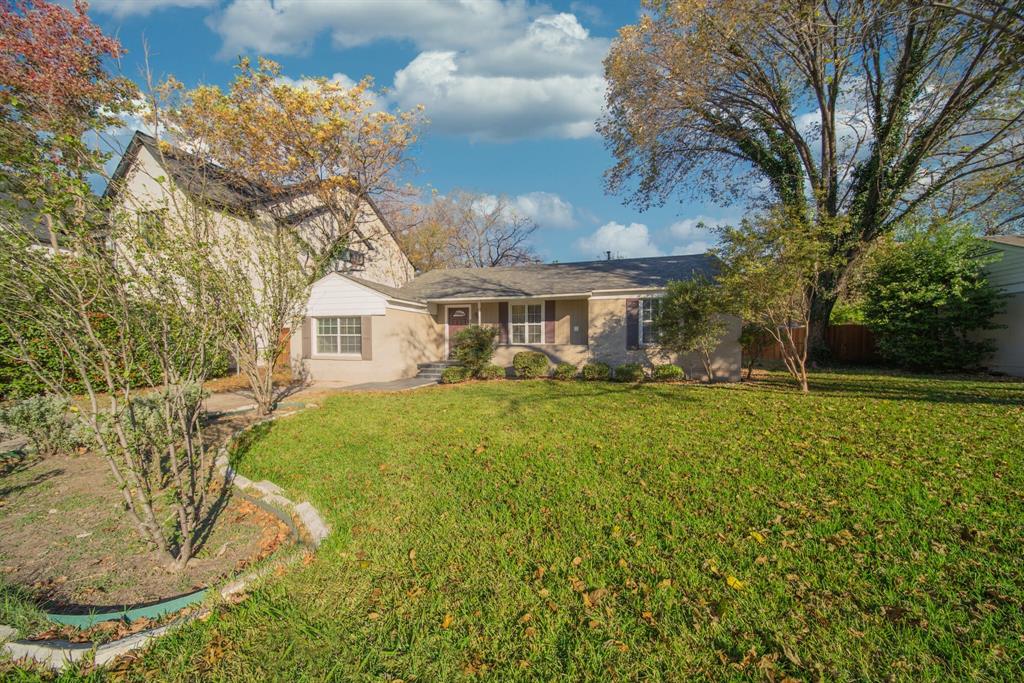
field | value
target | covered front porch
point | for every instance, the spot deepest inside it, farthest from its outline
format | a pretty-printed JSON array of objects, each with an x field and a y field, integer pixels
[{"x": 556, "y": 327}]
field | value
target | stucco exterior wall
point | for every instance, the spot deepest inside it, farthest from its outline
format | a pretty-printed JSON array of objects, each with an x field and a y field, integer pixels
[
  {"x": 399, "y": 340},
  {"x": 608, "y": 344},
  {"x": 595, "y": 330}
]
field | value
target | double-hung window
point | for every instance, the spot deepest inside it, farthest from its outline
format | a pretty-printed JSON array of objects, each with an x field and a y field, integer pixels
[
  {"x": 339, "y": 335},
  {"x": 526, "y": 322},
  {"x": 649, "y": 309}
]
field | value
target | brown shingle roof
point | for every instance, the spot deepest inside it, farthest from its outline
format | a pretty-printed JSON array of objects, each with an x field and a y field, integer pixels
[{"x": 557, "y": 278}]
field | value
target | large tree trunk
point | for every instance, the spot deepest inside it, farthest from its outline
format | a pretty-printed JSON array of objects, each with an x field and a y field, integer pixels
[{"x": 822, "y": 303}]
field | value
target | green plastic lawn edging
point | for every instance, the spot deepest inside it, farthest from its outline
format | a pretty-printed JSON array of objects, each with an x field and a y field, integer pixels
[
  {"x": 159, "y": 609},
  {"x": 147, "y": 612}
]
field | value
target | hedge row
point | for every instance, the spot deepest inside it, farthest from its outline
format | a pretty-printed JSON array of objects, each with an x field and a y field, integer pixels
[{"x": 533, "y": 364}]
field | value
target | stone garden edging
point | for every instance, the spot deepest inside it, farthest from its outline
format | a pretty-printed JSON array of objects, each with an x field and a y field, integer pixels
[{"x": 306, "y": 520}]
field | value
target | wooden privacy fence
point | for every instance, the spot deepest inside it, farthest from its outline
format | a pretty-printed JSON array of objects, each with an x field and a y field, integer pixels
[{"x": 848, "y": 344}]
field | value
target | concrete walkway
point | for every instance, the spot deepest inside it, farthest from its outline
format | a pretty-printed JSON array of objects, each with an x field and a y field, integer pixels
[{"x": 395, "y": 385}]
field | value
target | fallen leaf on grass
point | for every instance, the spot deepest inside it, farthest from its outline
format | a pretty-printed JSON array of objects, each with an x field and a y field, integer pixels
[
  {"x": 757, "y": 537},
  {"x": 373, "y": 616},
  {"x": 734, "y": 583},
  {"x": 447, "y": 621},
  {"x": 664, "y": 583}
]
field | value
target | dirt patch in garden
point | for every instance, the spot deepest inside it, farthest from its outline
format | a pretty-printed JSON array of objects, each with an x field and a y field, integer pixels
[{"x": 65, "y": 538}]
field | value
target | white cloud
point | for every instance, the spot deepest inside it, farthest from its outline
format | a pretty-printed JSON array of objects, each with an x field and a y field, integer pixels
[
  {"x": 691, "y": 237},
  {"x": 123, "y": 8},
  {"x": 487, "y": 69},
  {"x": 546, "y": 208},
  {"x": 624, "y": 241},
  {"x": 498, "y": 107},
  {"x": 289, "y": 26}
]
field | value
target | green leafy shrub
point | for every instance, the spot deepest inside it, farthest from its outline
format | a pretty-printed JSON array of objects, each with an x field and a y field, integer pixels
[
  {"x": 43, "y": 421},
  {"x": 491, "y": 371},
  {"x": 630, "y": 372},
  {"x": 596, "y": 371},
  {"x": 926, "y": 298},
  {"x": 454, "y": 375},
  {"x": 564, "y": 371},
  {"x": 18, "y": 381},
  {"x": 667, "y": 373},
  {"x": 474, "y": 347},
  {"x": 530, "y": 364}
]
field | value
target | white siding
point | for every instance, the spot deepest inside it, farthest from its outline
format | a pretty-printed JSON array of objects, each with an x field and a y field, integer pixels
[
  {"x": 337, "y": 295},
  {"x": 1007, "y": 272}
]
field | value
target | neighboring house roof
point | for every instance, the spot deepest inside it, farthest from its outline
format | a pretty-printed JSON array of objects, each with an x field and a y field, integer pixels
[
  {"x": 1011, "y": 240},
  {"x": 214, "y": 183},
  {"x": 538, "y": 280}
]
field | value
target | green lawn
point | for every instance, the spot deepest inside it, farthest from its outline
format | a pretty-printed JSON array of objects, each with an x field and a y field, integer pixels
[{"x": 542, "y": 530}]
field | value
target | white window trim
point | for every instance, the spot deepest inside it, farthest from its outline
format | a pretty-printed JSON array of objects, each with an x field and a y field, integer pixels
[
  {"x": 543, "y": 322},
  {"x": 315, "y": 353},
  {"x": 640, "y": 320}
]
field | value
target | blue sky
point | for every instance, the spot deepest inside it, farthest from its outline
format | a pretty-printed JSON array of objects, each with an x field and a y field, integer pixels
[{"x": 512, "y": 89}]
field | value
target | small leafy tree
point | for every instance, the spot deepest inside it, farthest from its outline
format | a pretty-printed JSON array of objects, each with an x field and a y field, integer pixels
[
  {"x": 690, "y": 319},
  {"x": 927, "y": 298},
  {"x": 753, "y": 340},
  {"x": 770, "y": 276},
  {"x": 474, "y": 347},
  {"x": 153, "y": 440}
]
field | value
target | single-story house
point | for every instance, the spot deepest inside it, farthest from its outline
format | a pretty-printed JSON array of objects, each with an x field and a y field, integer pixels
[
  {"x": 1007, "y": 273},
  {"x": 357, "y": 330}
]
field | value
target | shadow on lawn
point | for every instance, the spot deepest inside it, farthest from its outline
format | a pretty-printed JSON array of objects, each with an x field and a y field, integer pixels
[{"x": 898, "y": 386}]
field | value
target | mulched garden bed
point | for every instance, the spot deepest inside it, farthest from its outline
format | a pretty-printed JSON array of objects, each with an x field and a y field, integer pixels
[{"x": 65, "y": 540}]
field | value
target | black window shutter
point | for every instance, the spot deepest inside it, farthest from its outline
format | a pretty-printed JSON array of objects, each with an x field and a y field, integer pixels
[
  {"x": 503, "y": 322},
  {"x": 632, "y": 323}
]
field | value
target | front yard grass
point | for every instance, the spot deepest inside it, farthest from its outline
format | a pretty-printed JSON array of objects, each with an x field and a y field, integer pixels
[{"x": 545, "y": 530}]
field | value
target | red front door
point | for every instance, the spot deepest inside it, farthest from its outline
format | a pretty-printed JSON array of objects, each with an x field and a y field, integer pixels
[{"x": 458, "y": 319}]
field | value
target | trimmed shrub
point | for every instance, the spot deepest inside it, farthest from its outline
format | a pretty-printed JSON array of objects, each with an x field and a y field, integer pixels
[
  {"x": 454, "y": 375},
  {"x": 530, "y": 364},
  {"x": 41, "y": 420},
  {"x": 564, "y": 371},
  {"x": 667, "y": 373},
  {"x": 491, "y": 371},
  {"x": 596, "y": 371},
  {"x": 630, "y": 372},
  {"x": 474, "y": 347}
]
